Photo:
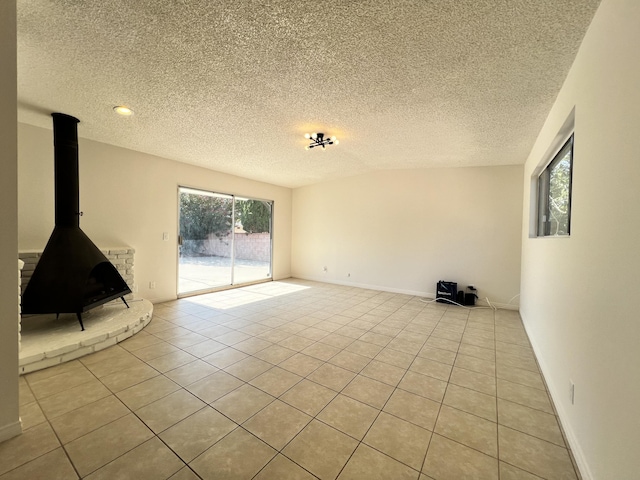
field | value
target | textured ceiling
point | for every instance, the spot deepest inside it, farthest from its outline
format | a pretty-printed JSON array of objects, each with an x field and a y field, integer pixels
[{"x": 233, "y": 85}]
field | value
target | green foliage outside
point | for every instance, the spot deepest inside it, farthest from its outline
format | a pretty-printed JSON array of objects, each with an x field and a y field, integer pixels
[
  {"x": 254, "y": 215},
  {"x": 559, "y": 198},
  {"x": 202, "y": 215}
]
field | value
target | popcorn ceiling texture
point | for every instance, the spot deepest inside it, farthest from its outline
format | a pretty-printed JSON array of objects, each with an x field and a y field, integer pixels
[{"x": 232, "y": 85}]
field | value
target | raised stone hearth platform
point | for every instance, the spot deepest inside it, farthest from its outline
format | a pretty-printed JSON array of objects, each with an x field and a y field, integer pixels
[{"x": 47, "y": 341}]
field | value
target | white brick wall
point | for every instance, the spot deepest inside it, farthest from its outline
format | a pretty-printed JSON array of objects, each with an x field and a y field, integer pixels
[{"x": 121, "y": 258}]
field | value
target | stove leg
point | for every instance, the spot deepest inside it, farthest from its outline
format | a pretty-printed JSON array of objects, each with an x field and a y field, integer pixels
[
  {"x": 125, "y": 302},
  {"x": 79, "y": 315}
]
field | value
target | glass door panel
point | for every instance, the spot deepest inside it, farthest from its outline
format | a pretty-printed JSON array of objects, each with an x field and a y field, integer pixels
[
  {"x": 205, "y": 259},
  {"x": 252, "y": 240}
]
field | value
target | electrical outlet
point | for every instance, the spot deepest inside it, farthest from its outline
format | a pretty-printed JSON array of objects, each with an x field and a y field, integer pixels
[
  {"x": 348, "y": 274},
  {"x": 152, "y": 285},
  {"x": 324, "y": 269},
  {"x": 572, "y": 392},
  {"x": 165, "y": 236}
]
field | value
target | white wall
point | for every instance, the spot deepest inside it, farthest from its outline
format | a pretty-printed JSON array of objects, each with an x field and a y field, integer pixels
[
  {"x": 403, "y": 230},
  {"x": 9, "y": 420},
  {"x": 130, "y": 198},
  {"x": 579, "y": 293}
]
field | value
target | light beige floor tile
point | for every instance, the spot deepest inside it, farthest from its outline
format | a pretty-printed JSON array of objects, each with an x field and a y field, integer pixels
[
  {"x": 242, "y": 403},
  {"x": 53, "y": 465},
  {"x": 332, "y": 377},
  {"x": 310, "y": 397},
  {"x": 73, "y": 398},
  {"x": 191, "y": 372},
  {"x": 275, "y": 354},
  {"x": 211, "y": 388},
  {"x": 118, "y": 381},
  {"x": 337, "y": 340},
  {"x": 471, "y": 401},
  {"x": 369, "y": 391},
  {"x": 149, "y": 461},
  {"x": 196, "y": 433},
  {"x": 405, "y": 346},
  {"x": 101, "y": 446},
  {"x": 434, "y": 369},
  {"x": 478, "y": 341},
  {"x": 468, "y": 429},
  {"x": 225, "y": 357},
  {"x": 363, "y": 348},
  {"x": 395, "y": 358},
  {"x": 296, "y": 342},
  {"x": 140, "y": 340},
  {"x": 517, "y": 361},
  {"x": 475, "y": 381},
  {"x": 313, "y": 333},
  {"x": 85, "y": 419},
  {"x": 437, "y": 354},
  {"x": 423, "y": 385},
  {"x": 521, "y": 350},
  {"x": 146, "y": 392},
  {"x": 475, "y": 364},
  {"x": 126, "y": 360},
  {"x": 275, "y": 381},
  {"x": 534, "y": 455},
  {"x": 443, "y": 344},
  {"x": 449, "y": 460},
  {"x": 281, "y": 468},
  {"x": 376, "y": 338},
  {"x": 383, "y": 372},
  {"x": 31, "y": 415},
  {"x": 520, "y": 376},
  {"x": 184, "y": 473},
  {"x": 478, "y": 352},
  {"x": 171, "y": 360},
  {"x": 66, "y": 367},
  {"x": 248, "y": 368},
  {"x": 350, "y": 361},
  {"x": 154, "y": 351},
  {"x": 349, "y": 416},
  {"x": 228, "y": 459},
  {"x": 31, "y": 444},
  {"x": 369, "y": 464},
  {"x": 169, "y": 410},
  {"x": 25, "y": 393},
  {"x": 252, "y": 345},
  {"x": 321, "y": 449},
  {"x": 447, "y": 334},
  {"x": 277, "y": 424},
  {"x": 528, "y": 420},
  {"x": 528, "y": 396},
  {"x": 509, "y": 472},
  {"x": 204, "y": 349},
  {"x": 301, "y": 364},
  {"x": 413, "y": 408},
  {"x": 399, "y": 439},
  {"x": 321, "y": 351},
  {"x": 351, "y": 332},
  {"x": 59, "y": 383},
  {"x": 231, "y": 338}
]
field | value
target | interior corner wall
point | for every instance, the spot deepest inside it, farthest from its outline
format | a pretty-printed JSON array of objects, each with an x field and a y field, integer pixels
[
  {"x": 131, "y": 198},
  {"x": 578, "y": 293},
  {"x": 9, "y": 419},
  {"x": 403, "y": 230}
]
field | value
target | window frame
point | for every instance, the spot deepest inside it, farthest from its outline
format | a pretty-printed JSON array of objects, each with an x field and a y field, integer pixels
[{"x": 544, "y": 187}]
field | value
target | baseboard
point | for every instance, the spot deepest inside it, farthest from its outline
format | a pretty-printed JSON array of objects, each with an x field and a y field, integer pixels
[
  {"x": 362, "y": 285},
  {"x": 574, "y": 445},
  {"x": 12, "y": 430}
]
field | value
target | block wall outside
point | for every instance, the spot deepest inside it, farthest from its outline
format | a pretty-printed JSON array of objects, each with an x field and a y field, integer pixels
[{"x": 248, "y": 246}]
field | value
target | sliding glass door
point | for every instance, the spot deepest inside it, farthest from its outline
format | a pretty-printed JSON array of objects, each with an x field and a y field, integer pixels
[{"x": 223, "y": 240}]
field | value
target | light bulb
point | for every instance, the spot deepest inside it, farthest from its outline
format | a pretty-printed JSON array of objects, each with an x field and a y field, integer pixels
[
  {"x": 307, "y": 136},
  {"x": 307, "y": 147},
  {"x": 314, "y": 135},
  {"x": 122, "y": 110},
  {"x": 336, "y": 142},
  {"x": 333, "y": 139}
]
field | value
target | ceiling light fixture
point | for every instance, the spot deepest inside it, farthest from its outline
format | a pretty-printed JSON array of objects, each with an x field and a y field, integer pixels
[
  {"x": 122, "y": 110},
  {"x": 318, "y": 140}
]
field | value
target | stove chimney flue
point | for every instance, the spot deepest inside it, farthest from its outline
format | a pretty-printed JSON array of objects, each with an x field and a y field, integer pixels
[{"x": 66, "y": 174}]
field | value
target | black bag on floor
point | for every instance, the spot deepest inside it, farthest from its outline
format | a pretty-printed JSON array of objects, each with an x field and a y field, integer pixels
[{"x": 446, "y": 292}]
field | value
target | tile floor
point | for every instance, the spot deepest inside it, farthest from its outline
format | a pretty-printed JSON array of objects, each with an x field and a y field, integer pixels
[{"x": 297, "y": 380}]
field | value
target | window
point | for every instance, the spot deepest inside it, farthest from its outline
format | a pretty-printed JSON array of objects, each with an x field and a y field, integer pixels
[{"x": 554, "y": 194}]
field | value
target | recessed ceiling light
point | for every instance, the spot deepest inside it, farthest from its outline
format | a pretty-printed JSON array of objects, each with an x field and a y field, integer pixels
[{"x": 122, "y": 110}]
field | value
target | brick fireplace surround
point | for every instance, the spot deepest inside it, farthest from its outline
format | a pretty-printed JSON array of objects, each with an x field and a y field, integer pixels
[{"x": 45, "y": 341}]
